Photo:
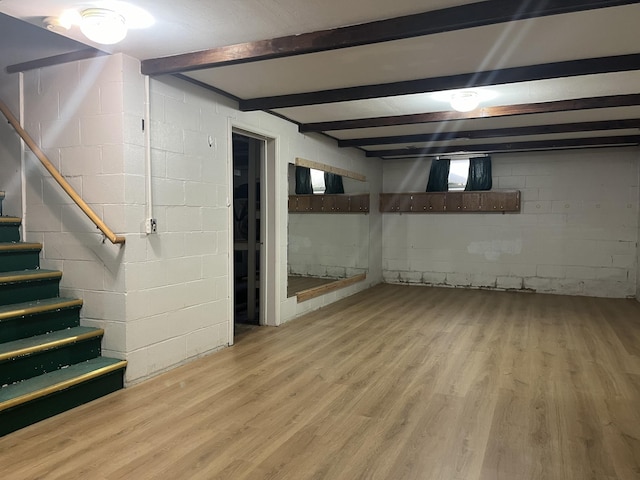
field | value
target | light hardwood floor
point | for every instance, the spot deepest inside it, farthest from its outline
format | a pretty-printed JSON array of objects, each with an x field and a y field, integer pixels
[{"x": 396, "y": 382}]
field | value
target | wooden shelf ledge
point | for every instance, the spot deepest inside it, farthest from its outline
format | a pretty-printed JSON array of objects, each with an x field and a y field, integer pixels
[
  {"x": 491, "y": 201},
  {"x": 329, "y": 287},
  {"x": 329, "y": 203}
]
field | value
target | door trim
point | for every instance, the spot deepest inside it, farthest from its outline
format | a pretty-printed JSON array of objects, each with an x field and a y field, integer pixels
[{"x": 270, "y": 225}]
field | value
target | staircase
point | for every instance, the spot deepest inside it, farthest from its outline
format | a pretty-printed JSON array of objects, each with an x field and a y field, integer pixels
[{"x": 48, "y": 362}]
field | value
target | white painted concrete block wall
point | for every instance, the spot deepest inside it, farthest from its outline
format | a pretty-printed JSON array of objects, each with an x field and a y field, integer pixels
[
  {"x": 184, "y": 291},
  {"x": 576, "y": 234},
  {"x": 22, "y": 42},
  {"x": 177, "y": 294},
  {"x": 10, "y": 181},
  {"x": 164, "y": 298},
  {"x": 75, "y": 112}
]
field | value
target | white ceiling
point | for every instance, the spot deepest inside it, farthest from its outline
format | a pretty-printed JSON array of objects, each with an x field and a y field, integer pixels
[{"x": 194, "y": 25}]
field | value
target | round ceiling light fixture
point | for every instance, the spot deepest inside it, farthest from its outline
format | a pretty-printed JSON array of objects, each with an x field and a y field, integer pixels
[
  {"x": 103, "y": 26},
  {"x": 465, "y": 101}
]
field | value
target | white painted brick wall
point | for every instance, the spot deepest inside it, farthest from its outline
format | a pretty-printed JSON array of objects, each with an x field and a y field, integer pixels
[
  {"x": 184, "y": 292},
  {"x": 577, "y": 233},
  {"x": 75, "y": 112},
  {"x": 162, "y": 299}
]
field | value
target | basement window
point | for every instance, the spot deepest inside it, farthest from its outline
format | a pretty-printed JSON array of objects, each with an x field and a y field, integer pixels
[
  {"x": 317, "y": 181},
  {"x": 458, "y": 174}
]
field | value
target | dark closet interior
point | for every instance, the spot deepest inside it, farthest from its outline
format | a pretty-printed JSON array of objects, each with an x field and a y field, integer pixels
[{"x": 247, "y": 154}]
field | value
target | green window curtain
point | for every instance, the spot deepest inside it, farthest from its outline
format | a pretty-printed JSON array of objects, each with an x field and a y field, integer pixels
[
  {"x": 333, "y": 183},
  {"x": 439, "y": 176},
  {"x": 303, "y": 181},
  {"x": 479, "y": 174}
]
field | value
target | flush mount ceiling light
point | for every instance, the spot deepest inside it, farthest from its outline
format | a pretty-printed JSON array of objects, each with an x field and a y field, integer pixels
[
  {"x": 103, "y": 26},
  {"x": 465, "y": 101}
]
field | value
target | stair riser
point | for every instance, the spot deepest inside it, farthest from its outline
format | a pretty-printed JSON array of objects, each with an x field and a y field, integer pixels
[
  {"x": 30, "y": 366},
  {"x": 28, "y": 291},
  {"x": 10, "y": 261},
  {"x": 9, "y": 233},
  {"x": 30, "y": 413},
  {"x": 23, "y": 327}
]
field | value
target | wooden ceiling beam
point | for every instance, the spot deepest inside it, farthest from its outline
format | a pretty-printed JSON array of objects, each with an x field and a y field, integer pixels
[
  {"x": 437, "y": 21},
  {"x": 567, "y": 143},
  {"x": 587, "y": 66},
  {"x": 494, "y": 133},
  {"x": 56, "y": 60},
  {"x": 486, "y": 112}
]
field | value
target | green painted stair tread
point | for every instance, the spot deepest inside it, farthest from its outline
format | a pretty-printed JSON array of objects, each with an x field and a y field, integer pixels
[
  {"x": 23, "y": 309},
  {"x": 17, "y": 286},
  {"x": 19, "y": 256},
  {"x": 47, "y": 341},
  {"x": 17, "y": 276},
  {"x": 19, "y": 246},
  {"x": 42, "y": 385}
]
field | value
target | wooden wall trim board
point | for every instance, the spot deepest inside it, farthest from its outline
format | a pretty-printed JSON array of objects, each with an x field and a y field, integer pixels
[
  {"x": 310, "y": 293},
  {"x": 329, "y": 203},
  {"x": 301, "y": 162},
  {"x": 492, "y": 201}
]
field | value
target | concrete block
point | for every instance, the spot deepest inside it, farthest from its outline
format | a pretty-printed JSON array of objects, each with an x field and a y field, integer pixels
[
  {"x": 551, "y": 271},
  {"x": 102, "y": 129},
  {"x": 166, "y": 354},
  {"x": 336, "y": 271},
  {"x": 203, "y": 341},
  {"x": 482, "y": 280},
  {"x": 178, "y": 112},
  {"x": 137, "y": 366},
  {"x": 45, "y": 218},
  {"x": 184, "y": 219},
  {"x": 537, "y": 207},
  {"x": 184, "y": 167},
  {"x": 581, "y": 273},
  {"x": 538, "y": 284},
  {"x": 612, "y": 274},
  {"x": 411, "y": 277},
  {"x": 88, "y": 274},
  {"x": 146, "y": 331},
  {"x": 434, "y": 278},
  {"x": 132, "y": 130},
  {"x": 509, "y": 283},
  {"x": 458, "y": 280},
  {"x": 168, "y": 192},
  {"x": 391, "y": 276},
  {"x": 608, "y": 289},
  {"x": 104, "y": 188},
  {"x": 516, "y": 182},
  {"x": 539, "y": 181},
  {"x": 167, "y": 136}
]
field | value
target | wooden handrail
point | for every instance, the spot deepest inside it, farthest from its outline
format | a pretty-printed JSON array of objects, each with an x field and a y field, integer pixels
[{"x": 59, "y": 178}]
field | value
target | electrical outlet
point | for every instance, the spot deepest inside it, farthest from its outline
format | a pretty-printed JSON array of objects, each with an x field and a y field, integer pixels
[{"x": 151, "y": 226}]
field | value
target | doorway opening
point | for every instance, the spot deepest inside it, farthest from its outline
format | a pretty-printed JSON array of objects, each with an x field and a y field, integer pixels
[{"x": 248, "y": 160}]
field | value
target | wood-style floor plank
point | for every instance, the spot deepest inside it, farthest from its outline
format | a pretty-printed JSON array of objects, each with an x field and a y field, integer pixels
[{"x": 396, "y": 382}]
